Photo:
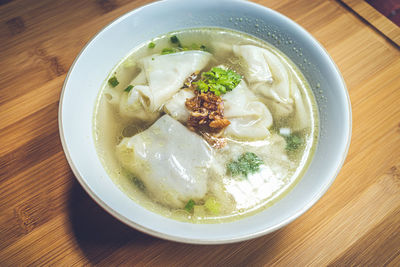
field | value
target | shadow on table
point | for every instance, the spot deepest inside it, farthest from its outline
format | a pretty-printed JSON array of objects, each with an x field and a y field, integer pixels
[
  {"x": 102, "y": 238},
  {"x": 98, "y": 233}
]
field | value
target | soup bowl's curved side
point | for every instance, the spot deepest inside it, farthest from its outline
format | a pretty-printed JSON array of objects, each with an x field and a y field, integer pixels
[{"x": 115, "y": 41}]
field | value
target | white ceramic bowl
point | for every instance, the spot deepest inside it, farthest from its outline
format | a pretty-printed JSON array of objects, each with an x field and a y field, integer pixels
[{"x": 114, "y": 42}]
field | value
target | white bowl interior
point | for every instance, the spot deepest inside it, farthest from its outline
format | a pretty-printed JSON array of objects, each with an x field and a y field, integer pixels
[{"x": 114, "y": 42}]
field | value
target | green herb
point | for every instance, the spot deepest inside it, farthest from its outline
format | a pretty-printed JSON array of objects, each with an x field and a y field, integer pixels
[
  {"x": 247, "y": 163},
  {"x": 136, "y": 181},
  {"x": 213, "y": 205},
  {"x": 293, "y": 142},
  {"x": 129, "y": 88},
  {"x": 218, "y": 81},
  {"x": 201, "y": 86},
  {"x": 166, "y": 51},
  {"x": 151, "y": 45},
  {"x": 175, "y": 40},
  {"x": 113, "y": 81},
  {"x": 190, "y": 205},
  {"x": 203, "y": 47}
]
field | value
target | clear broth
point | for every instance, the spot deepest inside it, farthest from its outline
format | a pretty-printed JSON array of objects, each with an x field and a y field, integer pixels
[{"x": 110, "y": 128}]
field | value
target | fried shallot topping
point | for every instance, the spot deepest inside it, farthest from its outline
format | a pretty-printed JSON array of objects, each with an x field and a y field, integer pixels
[
  {"x": 192, "y": 78},
  {"x": 206, "y": 113}
]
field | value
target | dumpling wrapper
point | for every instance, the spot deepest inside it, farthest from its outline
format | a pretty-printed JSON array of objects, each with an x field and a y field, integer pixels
[
  {"x": 132, "y": 104},
  {"x": 268, "y": 77},
  {"x": 250, "y": 119},
  {"x": 282, "y": 94},
  {"x": 257, "y": 69},
  {"x": 167, "y": 73},
  {"x": 245, "y": 193},
  {"x": 160, "y": 78},
  {"x": 176, "y": 107},
  {"x": 301, "y": 119},
  {"x": 171, "y": 161}
]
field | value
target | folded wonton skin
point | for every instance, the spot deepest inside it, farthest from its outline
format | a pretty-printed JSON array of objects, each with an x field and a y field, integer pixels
[
  {"x": 273, "y": 85},
  {"x": 245, "y": 193},
  {"x": 160, "y": 78},
  {"x": 278, "y": 94},
  {"x": 167, "y": 73},
  {"x": 301, "y": 119},
  {"x": 265, "y": 69},
  {"x": 176, "y": 107},
  {"x": 257, "y": 70},
  {"x": 171, "y": 161},
  {"x": 250, "y": 119},
  {"x": 131, "y": 106},
  {"x": 115, "y": 94}
]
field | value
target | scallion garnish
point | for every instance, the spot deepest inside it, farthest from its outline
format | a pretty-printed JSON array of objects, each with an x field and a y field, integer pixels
[
  {"x": 190, "y": 205},
  {"x": 166, "y": 51},
  {"x": 113, "y": 81},
  {"x": 151, "y": 45},
  {"x": 129, "y": 88}
]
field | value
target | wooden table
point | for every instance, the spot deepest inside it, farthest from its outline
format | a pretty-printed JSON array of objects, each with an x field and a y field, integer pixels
[{"x": 47, "y": 218}]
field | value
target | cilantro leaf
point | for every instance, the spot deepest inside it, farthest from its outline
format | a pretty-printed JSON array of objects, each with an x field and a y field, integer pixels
[
  {"x": 202, "y": 86},
  {"x": 293, "y": 142},
  {"x": 246, "y": 164}
]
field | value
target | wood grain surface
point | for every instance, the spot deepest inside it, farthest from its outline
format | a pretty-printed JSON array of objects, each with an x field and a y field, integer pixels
[
  {"x": 46, "y": 217},
  {"x": 375, "y": 18}
]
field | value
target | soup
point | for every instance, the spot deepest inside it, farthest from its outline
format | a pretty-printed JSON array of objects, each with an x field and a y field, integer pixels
[{"x": 205, "y": 125}]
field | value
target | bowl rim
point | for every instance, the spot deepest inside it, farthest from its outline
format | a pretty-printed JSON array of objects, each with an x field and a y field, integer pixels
[{"x": 172, "y": 237}]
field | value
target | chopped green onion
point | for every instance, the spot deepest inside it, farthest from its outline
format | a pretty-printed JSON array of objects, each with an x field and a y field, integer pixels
[
  {"x": 213, "y": 205},
  {"x": 151, "y": 45},
  {"x": 113, "y": 81},
  {"x": 166, "y": 51},
  {"x": 218, "y": 80},
  {"x": 190, "y": 205},
  {"x": 129, "y": 88}
]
